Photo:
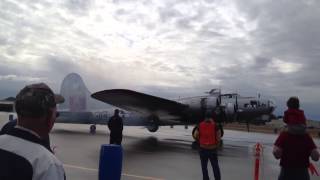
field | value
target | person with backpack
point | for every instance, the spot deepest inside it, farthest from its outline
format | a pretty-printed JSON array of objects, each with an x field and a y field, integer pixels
[{"x": 209, "y": 135}]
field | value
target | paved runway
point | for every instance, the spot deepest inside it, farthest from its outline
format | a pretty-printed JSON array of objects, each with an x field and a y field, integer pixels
[{"x": 165, "y": 154}]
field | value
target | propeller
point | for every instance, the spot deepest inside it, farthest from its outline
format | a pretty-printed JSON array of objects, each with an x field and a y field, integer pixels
[{"x": 237, "y": 111}]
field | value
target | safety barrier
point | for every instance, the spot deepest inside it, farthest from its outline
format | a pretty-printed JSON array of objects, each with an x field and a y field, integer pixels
[
  {"x": 110, "y": 164},
  {"x": 257, "y": 160}
]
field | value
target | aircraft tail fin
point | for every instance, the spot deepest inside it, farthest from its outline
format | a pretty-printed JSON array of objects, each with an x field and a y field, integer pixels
[
  {"x": 214, "y": 92},
  {"x": 77, "y": 96},
  {"x": 75, "y": 93}
]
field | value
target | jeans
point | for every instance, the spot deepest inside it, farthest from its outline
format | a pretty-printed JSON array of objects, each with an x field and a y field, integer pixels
[
  {"x": 209, "y": 154},
  {"x": 294, "y": 174}
]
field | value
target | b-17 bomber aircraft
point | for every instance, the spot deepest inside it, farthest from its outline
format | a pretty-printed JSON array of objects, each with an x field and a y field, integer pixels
[
  {"x": 159, "y": 111},
  {"x": 138, "y": 109}
]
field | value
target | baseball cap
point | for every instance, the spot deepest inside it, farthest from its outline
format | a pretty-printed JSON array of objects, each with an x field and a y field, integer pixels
[{"x": 35, "y": 100}]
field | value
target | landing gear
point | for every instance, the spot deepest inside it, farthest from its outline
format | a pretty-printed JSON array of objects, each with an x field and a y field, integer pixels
[
  {"x": 153, "y": 123},
  {"x": 93, "y": 129}
]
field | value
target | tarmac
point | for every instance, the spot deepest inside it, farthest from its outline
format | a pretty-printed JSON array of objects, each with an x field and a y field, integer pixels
[{"x": 165, "y": 154}]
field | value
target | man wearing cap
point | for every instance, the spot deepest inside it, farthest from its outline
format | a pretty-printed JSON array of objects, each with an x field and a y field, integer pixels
[{"x": 22, "y": 153}]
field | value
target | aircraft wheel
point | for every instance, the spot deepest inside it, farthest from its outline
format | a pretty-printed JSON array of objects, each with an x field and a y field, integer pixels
[{"x": 93, "y": 129}]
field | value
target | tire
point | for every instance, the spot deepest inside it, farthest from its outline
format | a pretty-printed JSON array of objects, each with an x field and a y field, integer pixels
[{"x": 93, "y": 129}]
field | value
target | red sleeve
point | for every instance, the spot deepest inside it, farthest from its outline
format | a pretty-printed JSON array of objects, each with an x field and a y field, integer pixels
[{"x": 280, "y": 140}]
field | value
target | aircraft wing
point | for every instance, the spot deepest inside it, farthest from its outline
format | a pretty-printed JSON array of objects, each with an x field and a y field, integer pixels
[{"x": 139, "y": 102}]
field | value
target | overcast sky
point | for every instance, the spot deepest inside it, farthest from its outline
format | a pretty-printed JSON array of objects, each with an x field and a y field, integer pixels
[{"x": 168, "y": 48}]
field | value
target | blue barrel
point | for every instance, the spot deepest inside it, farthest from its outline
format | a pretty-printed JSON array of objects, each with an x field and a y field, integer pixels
[{"x": 110, "y": 164}]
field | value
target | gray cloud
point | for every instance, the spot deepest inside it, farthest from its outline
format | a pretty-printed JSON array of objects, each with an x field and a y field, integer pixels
[
  {"x": 168, "y": 13},
  {"x": 184, "y": 23},
  {"x": 188, "y": 47},
  {"x": 161, "y": 66},
  {"x": 309, "y": 76},
  {"x": 310, "y": 83},
  {"x": 260, "y": 63},
  {"x": 78, "y": 7},
  {"x": 206, "y": 34},
  {"x": 186, "y": 70}
]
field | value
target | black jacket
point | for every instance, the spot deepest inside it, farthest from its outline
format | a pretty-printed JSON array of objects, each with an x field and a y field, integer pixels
[{"x": 115, "y": 125}]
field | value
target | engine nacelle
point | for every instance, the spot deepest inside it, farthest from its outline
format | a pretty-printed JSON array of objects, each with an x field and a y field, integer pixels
[
  {"x": 210, "y": 103},
  {"x": 230, "y": 111},
  {"x": 153, "y": 128},
  {"x": 153, "y": 124},
  {"x": 230, "y": 108}
]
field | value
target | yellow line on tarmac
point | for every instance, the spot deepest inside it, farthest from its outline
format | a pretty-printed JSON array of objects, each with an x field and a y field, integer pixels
[
  {"x": 123, "y": 174},
  {"x": 79, "y": 167},
  {"x": 141, "y": 177}
]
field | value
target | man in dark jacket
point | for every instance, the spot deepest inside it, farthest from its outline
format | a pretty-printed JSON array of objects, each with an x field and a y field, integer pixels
[{"x": 115, "y": 125}]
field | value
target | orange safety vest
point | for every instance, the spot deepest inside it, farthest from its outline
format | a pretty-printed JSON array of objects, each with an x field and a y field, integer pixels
[{"x": 208, "y": 133}]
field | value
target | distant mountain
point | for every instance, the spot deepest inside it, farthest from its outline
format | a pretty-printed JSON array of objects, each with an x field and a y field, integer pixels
[{"x": 10, "y": 99}]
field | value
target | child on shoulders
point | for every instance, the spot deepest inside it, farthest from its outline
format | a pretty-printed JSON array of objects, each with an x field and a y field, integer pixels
[{"x": 294, "y": 117}]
